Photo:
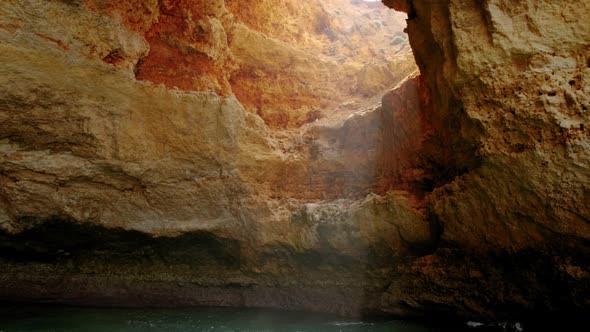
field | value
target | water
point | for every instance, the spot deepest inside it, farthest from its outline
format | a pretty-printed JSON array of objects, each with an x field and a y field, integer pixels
[{"x": 24, "y": 318}]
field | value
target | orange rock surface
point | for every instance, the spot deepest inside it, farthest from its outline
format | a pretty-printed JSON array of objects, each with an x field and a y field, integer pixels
[
  {"x": 321, "y": 53},
  {"x": 254, "y": 153}
]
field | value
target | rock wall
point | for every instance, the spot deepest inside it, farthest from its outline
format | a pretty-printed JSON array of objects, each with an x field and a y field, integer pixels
[
  {"x": 284, "y": 60},
  {"x": 264, "y": 180},
  {"x": 508, "y": 94},
  {"x": 118, "y": 189}
]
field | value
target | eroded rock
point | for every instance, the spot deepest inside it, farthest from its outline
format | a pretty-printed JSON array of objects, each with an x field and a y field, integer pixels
[
  {"x": 461, "y": 193},
  {"x": 504, "y": 98}
]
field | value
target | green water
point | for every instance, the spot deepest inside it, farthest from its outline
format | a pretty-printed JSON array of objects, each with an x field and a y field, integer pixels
[{"x": 57, "y": 318}]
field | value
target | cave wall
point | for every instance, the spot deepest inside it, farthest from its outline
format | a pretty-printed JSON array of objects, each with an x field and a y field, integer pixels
[
  {"x": 507, "y": 94},
  {"x": 105, "y": 166},
  {"x": 79, "y": 114},
  {"x": 462, "y": 193},
  {"x": 284, "y": 60}
]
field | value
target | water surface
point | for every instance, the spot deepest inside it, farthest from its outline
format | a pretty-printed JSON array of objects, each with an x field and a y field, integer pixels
[{"x": 26, "y": 318}]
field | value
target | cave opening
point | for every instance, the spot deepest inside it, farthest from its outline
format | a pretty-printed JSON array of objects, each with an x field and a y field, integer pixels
[
  {"x": 277, "y": 136},
  {"x": 288, "y": 61},
  {"x": 316, "y": 72},
  {"x": 286, "y": 154}
]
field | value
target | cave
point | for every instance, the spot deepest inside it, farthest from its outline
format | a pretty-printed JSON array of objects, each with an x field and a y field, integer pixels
[{"x": 414, "y": 159}]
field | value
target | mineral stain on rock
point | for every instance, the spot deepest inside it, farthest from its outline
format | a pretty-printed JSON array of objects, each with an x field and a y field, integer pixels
[{"x": 297, "y": 155}]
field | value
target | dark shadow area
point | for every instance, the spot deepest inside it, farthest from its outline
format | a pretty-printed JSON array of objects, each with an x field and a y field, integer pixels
[{"x": 59, "y": 241}]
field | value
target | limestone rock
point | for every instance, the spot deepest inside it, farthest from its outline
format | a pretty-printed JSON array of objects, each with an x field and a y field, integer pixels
[
  {"x": 284, "y": 60},
  {"x": 139, "y": 182},
  {"x": 142, "y": 138},
  {"x": 519, "y": 111},
  {"x": 507, "y": 95},
  {"x": 64, "y": 26}
]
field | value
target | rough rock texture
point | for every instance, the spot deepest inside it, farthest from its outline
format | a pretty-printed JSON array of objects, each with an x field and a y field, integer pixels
[
  {"x": 116, "y": 190},
  {"x": 462, "y": 193},
  {"x": 508, "y": 96},
  {"x": 284, "y": 60}
]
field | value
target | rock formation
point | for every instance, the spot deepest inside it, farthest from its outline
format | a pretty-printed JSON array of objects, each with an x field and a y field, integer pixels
[
  {"x": 508, "y": 95},
  {"x": 198, "y": 152},
  {"x": 284, "y": 60}
]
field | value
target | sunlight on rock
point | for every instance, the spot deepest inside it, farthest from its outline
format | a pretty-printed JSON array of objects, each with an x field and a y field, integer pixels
[{"x": 332, "y": 156}]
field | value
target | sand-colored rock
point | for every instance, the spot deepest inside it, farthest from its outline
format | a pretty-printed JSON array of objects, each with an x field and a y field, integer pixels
[
  {"x": 286, "y": 60},
  {"x": 103, "y": 172},
  {"x": 507, "y": 97},
  {"x": 462, "y": 192},
  {"x": 514, "y": 85}
]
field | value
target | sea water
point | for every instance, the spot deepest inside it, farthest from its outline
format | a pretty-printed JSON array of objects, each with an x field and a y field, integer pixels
[{"x": 24, "y": 318}]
